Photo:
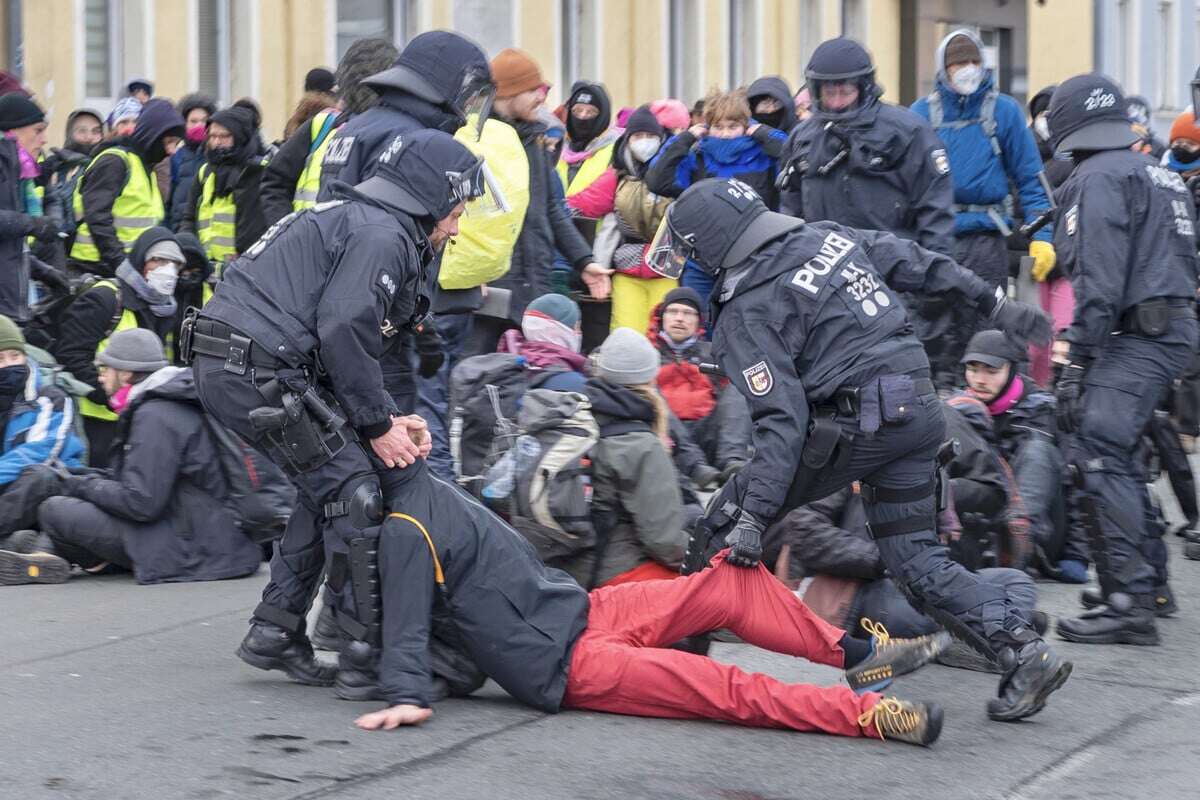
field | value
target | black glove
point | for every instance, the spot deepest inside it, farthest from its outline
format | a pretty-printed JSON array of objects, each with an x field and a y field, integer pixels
[
  {"x": 1068, "y": 391},
  {"x": 48, "y": 275},
  {"x": 430, "y": 356},
  {"x": 1020, "y": 319},
  {"x": 44, "y": 229},
  {"x": 705, "y": 477},
  {"x": 732, "y": 468},
  {"x": 745, "y": 541}
]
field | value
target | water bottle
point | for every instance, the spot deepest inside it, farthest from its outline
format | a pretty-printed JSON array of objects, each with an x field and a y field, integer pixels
[
  {"x": 500, "y": 478},
  {"x": 528, "y": 451}
]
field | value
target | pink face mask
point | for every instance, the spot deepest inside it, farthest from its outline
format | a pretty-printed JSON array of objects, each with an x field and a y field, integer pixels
[
  {"x": 197, "y": 133},
  {"x": 120, "y": 400}
]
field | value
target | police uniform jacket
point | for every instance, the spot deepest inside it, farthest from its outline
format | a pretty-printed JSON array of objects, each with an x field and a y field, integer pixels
[
  {"x": 809, "y": 313},
  {"x": 328, "y": 280}
]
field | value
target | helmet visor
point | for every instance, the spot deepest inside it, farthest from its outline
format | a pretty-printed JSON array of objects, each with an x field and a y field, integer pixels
[
  {"x": 474, "y": 101},
  {"x": 669, "y": 252},
  {"x": 479, "y": 189}
]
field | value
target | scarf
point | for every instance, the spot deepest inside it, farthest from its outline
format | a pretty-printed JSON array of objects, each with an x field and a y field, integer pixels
[
  {"x": 540, "y": 355},
  {"x": 161, "y": 305},
  {"x": 677, "y": 347},
  {"x": 30, "y": 171},
  {"x": 1008, "y": 398},
  {"x": 538, "y": 327}
]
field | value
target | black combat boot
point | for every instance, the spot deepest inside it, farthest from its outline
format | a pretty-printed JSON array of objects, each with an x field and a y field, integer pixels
[
  {"x": 903, "y": 721},
  {"x": 326, "y": 633},
  {"x": 29, "y": 557},
  {"x": 358, "y": 678},
  {"x": 268, "y": 646},
  {"x": 1032, "y": 671},
  {"x": 1191, "y": 545},
  {"x": 1123, "y": 620},
  {"x": 891, "y": 658}
]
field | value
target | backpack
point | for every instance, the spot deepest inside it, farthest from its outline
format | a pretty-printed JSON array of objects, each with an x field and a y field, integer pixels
[
  {"x": 485, "y": 392},
  {"x": 44, "y": 326},
  {"x": 53, "y": 373},
  {"x": 263, "y": 496}
]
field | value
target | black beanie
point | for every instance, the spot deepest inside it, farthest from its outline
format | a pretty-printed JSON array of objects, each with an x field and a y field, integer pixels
[
  {"x": 684, "y": 296},
  {"x": 319, "y": 79},
  {"x": 17, "y": 111},
  {"x": 642, "y": 120}
]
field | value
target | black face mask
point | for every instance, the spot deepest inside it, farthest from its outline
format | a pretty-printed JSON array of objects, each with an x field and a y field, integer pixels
[
  {"x": 1183, "y": 155},
  {"x": 773, "y": 119},
  {"x": 582, "y": 131},
  {"x": 12, "y": 383}
]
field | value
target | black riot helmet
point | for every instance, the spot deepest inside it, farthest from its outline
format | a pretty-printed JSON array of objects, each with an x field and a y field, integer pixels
[
  {"x": 426, "y": 174},
  {"x": 1087, "y": 113},
  {"x": 841, "y": 61},
  {"x": 446, "y": 69},
  {"x": 716, "y": 224}
]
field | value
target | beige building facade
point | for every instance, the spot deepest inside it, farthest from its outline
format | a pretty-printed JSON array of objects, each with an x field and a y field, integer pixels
[{"x": 80, "y": 53}]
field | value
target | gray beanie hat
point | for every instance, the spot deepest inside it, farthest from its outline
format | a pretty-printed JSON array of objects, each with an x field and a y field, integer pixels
[
  {"x": 627, "y": 358},
  {"x": 167, "y": 250},
  {"x": 134, "y": 349}
]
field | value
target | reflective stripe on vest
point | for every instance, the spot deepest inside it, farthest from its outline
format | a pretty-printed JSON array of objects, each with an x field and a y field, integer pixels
[
  {"x": 127, "y": 321},
  {"x": 308, "y": 185},
  {"x": 137, "y": 208},
  {"x": 589, "y": 172},
  {"x": 216, "y": 219}
]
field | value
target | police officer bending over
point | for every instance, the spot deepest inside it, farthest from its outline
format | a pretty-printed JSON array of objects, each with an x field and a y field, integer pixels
[
  {"x": 1127, "y": 239},
  {"x": 287, "y": 355},
  {"x": 808, "y": 327}
]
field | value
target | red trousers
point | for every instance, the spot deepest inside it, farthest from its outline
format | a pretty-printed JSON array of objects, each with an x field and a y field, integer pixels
[{"x": 619, "y": 664}]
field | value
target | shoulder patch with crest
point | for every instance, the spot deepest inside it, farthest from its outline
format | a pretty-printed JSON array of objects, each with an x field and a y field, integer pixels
[
  {"x": 759, "y": 379},
  {"x": 941, "y": 162}
]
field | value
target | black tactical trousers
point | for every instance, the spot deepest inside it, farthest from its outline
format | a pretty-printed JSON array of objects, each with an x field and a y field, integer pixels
[
  {"x": 898, "y": 457},
  {"x": 985, "y": 254},
  {"x": 1121, "y": 391},
  {"x": 300, "y": 554}
]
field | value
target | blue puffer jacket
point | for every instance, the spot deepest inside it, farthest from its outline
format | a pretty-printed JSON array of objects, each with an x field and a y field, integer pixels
[
  {"x": 980, "y": 177},
  {"x": 751, "y": 159},
  {"x": 184, "y": 166},
  {"x": 39, "y": 429}
]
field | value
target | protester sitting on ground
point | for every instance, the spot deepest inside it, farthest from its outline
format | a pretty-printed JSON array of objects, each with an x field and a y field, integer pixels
[
  {"x": 1025, "y": 435},
  {"x": 549, "y": 343},
  {"x": 631, "y": 470},
  {"x": 38, "y": 437},
  {"x": 551, "y": 645},
  {"x": 196, "y": 110},
  {"x": 118, "y": 196},
  {"x": 728, "y": 144},
  {"x": 841, "y": 576},
  {"x": 163, "y": 509},
  {"x": 716, "y": 416},
  {"x": 629, "y": 214},
  {"x": 223, "y": 209},
  {"x": 140, "y": 296}
]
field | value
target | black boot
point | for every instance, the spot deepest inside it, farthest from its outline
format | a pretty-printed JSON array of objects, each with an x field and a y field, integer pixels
[
  {"x": 1124, "y": 620},
  {"x": 269, "y": 646},
  {"x": 1032, "y": 672},
  {"x": 358, "y": 678},
  {"x": 1091, "y": 598},
  {"x": 326, "y": 633}
]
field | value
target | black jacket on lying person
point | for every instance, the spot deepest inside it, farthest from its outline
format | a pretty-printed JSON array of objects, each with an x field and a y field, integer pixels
[
  {"x": 167, "y": 491},
  {"x": 517, "y": 618}
]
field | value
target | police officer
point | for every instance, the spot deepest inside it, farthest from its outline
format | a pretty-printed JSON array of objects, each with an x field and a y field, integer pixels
[
  {"x": 861, "y": 162},
  {"x": 438, "y": 81},
  {"x": 287, "y": 355},
  {"x": 810, "y": 330},
  {"x": 1127, "y": 238}
]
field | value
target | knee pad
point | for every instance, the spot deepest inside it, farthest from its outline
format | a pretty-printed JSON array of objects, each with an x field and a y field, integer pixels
[{"x": 360, "y": 502}]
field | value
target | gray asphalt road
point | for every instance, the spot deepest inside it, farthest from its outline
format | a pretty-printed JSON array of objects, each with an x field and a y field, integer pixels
[{"x": 110, "y": 690}]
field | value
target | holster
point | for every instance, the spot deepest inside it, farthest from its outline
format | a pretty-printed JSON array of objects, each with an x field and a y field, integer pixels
[
  {"x": 1151, "y": 318},
  {"x": 828, "y": 443},
  {"x": 306, "y": 432},
  {"x": 187, "y": 330}
]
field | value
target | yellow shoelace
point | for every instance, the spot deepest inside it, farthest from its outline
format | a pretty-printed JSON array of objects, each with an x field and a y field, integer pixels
[
  {"x": 890, "y": 714},
  {"x": 876, "y": 629}
]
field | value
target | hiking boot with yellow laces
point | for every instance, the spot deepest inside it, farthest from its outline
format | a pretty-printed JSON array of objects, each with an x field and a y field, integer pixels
[
  {"x": 903, "y": 721},
  {"x": 891, "y": 658}
]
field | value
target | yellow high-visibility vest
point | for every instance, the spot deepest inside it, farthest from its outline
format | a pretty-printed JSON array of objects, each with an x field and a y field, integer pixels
[
  {"x": 216, "y": 218},
  {"x": 138, "y": 208},
  {"x": 308, "y": 185}
]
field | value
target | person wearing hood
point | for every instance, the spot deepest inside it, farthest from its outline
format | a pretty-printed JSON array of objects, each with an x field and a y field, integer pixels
[
  {"x": 990, "y": 149},
  {"x": 331, "y": 286},
  {"x": 196, "y": 110},
  {"x": 140, "y": 295},
  {"x": 771, "y": 103},
  {"x": 292, "y": 180},
  {"x": 224, "y": 209},
  {"x": 117, "y": 197},
  {"x": 193, "y": 288},
  {"x": 1128, "y": 240},
  {"x": 161, "y": 510},
  {"x": 630, "y": 213},
  {"x": 714, "y": 413},
  {"x": 37, "y": 435},
  {"x": 23, "y": 124},
  {"x": 729, "y": 144},
  {"x": 61, "y": 171}
]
